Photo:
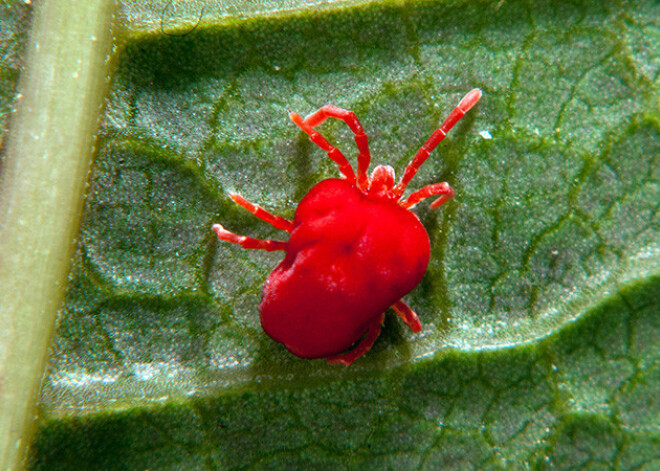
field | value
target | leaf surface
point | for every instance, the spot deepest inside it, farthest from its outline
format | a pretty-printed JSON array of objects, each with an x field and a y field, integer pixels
[{"x": 540, "y": 306}]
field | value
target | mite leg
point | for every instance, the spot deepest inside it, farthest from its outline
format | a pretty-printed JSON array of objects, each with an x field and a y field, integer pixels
[
  {"x": 248, "y": 242},
  {"x": 408, "y": 315},
  {"x": 442, "y": 189},
  {"x": 361, "y": 140},
  {"x": 361, "y": 348},
  {"x": 335, "y": 154},
  {"x": 276, "y": 221},
  {"x": 422, "y": 154}
]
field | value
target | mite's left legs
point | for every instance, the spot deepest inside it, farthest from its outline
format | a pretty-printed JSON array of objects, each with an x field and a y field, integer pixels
[{"x": 276, "y": 221}]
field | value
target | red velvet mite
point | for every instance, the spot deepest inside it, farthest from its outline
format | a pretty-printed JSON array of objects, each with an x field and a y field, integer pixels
[{"x": 355, "y": 248}]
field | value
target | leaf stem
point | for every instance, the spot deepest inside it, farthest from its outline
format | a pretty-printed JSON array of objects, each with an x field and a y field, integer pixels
[{"x": 42, "y": 183}]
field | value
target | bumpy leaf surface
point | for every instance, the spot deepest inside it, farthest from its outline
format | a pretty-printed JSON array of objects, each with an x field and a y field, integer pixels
[{"x": 541, "y": 304}]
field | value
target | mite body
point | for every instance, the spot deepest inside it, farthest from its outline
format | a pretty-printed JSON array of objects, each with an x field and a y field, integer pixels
[{"x": 354, "y": 250}]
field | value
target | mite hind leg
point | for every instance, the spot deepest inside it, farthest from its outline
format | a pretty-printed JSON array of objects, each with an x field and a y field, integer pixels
[
  {"x": 408, "y": 315},
  {"x": 361, "y": 348}
]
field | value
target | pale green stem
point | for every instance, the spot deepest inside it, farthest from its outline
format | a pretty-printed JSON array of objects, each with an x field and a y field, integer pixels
[{"x": 42, "y": 183}]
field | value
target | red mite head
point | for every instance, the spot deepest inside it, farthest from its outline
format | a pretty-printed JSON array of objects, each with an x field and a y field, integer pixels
[{"x": 355, "y": 248}]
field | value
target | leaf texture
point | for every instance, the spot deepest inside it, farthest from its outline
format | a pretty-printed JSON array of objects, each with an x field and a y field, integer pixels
[{"x": 540, "y": 306}]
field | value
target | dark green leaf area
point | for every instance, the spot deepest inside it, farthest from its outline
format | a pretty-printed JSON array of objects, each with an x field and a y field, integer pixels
[
  {"x": 493, "y": 410},
  {"x": 146, "y": 219},
  {"x": 14, "y": 24}
]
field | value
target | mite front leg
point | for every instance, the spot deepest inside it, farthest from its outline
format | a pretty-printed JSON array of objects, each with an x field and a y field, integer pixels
[
  {"x": 335, "y": 154},
  {"x": 432, "y": 142},
  {"x": 361, "y": 140},
  {"x": 442, "y": 189},
  {"x": 361, "y": 348}
]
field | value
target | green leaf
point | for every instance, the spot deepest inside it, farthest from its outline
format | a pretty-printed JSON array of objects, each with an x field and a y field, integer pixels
[
  {"x": 14, "y": 20},
  {"x": 540, "y": 306}
]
